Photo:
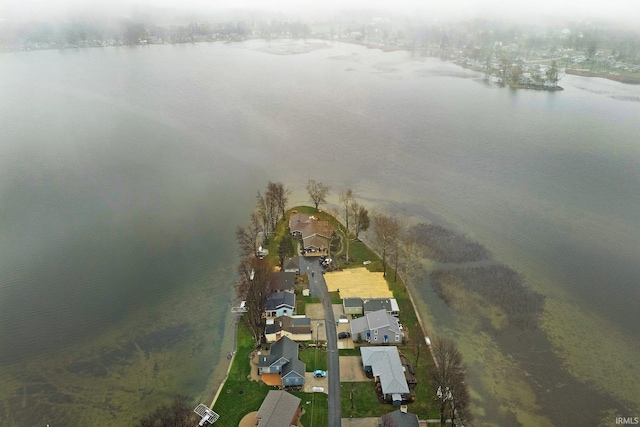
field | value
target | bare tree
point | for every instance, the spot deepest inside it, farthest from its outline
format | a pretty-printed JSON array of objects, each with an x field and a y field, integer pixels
[
  {"x": 272, "y": 205},
  {"x": 249, "y": 237},
  {"x": 346, "y": 200},
  {"x": 253, "y": 288},
  {"x": 448, "y": 376},
  {"x": 408, "y": 257},
  {"x": 267, "y": 211},
  {"x": 361, "y": 221},
  {"x": 386, "y": 230},
  {"x": 317, "y": 192},
  {"x": 280, "y": 196},
  {"x": 460, "y": 401}
]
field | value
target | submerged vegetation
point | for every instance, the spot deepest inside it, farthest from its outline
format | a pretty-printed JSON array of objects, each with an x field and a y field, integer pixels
[
  {"x": 443, "y": 245},
  {"x": 497, "y": 284}
]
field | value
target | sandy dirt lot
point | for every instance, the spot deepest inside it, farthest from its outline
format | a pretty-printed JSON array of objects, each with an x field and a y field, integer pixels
[
  {"x": 315, "y": 312},
  {"x": 351, "y": 369},
  {"x": 338, "y": 310},
  {"x": 358, "y": 282},
  {"x": 310, "y": 381}
]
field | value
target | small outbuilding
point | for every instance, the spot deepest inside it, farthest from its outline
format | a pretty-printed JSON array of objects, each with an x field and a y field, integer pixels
[{"x": 352, "y": 306}]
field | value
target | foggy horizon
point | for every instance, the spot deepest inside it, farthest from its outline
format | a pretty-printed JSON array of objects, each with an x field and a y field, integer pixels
[{"x": 622, "y": 12}]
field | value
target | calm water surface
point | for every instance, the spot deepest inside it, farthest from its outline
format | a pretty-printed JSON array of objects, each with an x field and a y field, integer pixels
[{"x": 124, "y": 172}]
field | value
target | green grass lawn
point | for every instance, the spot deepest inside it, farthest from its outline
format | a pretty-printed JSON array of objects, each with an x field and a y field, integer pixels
[
  {"x": 335, "y": 298},
  {"x": 239, "y": 395},
  {"x": 359, "y": 400},
  {"x": 349, "y": 351},
  {"x": 316, "y": 411},
  {"x": 314, "y": 358},
  {"x": 358, "y": 253}
]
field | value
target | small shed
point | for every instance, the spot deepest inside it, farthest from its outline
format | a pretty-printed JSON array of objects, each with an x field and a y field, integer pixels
[{"x": 352, "y": 306}]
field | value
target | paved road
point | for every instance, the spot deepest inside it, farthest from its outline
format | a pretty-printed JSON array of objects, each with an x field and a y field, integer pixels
[{"x": 318, "y": 288}]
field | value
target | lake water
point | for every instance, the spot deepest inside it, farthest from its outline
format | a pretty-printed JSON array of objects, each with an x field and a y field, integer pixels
[{"x": 124, "y": 173}]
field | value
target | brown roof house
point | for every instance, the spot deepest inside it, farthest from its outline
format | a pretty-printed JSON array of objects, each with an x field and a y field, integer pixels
[
  {"x": 296, "y": 328},
  {"x": 297, "y": 222},
  {"x": 315, "y": 234},
  {"x": 279, "y": 409},
  {"x": 315, "y": 237}
]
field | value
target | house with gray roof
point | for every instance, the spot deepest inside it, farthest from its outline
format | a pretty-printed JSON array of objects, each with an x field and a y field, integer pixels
[
  {"x": 377, "y": 327},
  {"x": 385, "y": 365},
  {"x": 280, "y": 304},
  {"x": 282, "y": 281},
  {"x": 374, "y": 304},
  {"x": 283, "y": 360},
  {"x": 291, "y": 265},
  {"x": 279, "y": 409},
  {"x": 400, "y": 418}
]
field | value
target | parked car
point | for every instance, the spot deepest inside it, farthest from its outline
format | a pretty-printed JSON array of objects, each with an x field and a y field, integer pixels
[
  {"x": 317, "y": 389},
  {"x": 318, "y": 373},
  {"x": 344, "y": 335}
]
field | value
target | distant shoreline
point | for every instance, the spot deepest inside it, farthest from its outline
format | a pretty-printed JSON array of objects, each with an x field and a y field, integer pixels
[{"x": 630, "y": 80}]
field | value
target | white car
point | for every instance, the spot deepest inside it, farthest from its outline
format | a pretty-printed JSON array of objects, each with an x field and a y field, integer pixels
[{"x": 317, "y": 389}]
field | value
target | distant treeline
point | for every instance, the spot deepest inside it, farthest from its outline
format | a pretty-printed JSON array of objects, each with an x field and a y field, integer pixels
[
  {"x": 444, "y": 245},
  {"x": 500, "y": 286},
  {"x": 118, "y": 32}
]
